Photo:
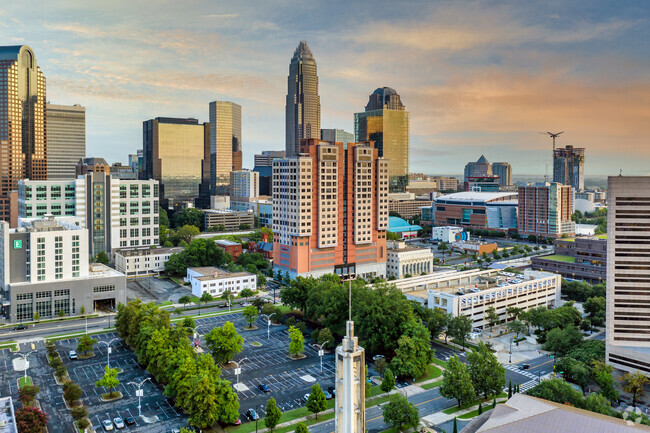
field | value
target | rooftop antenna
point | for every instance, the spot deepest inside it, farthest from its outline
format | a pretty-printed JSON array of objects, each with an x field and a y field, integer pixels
[
  {"x": 350, "y": 299},
  {"x": 554, "y": 135}
]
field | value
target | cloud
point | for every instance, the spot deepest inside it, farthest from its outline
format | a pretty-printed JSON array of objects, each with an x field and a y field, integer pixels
[{"x": 221, "y": 16}]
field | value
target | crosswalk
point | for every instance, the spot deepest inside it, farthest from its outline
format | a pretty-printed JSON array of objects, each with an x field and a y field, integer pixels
[
  {"x": 518, "y": 370},
  {"x": 528, "y": 385}
]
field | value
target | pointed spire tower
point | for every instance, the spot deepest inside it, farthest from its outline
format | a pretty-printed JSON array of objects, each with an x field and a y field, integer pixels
[{"x": 350, "y": 415}]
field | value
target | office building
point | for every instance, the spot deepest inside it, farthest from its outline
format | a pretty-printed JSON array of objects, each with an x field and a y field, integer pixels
[
  {"x": 480, "y": 168},
  {"x": 330, "y": 210},
  {"x": 244, "y": 184},
  {"x": 176, "y": 153},
  {"x": 135, "y": 162},
  {"x": 66, "y": 139},
  {"x": 446, "y": 184},
  {"x": 628, "y": 282},
  {"x": 303, "y": 102},
  {"x": 476, "y": 210},
  {"x": 229, "y": 219},
  {"x": 421, "y": 187},
  {"x": 504, "y": 171},
  {"x": 569, "y": 166},
  {"x": 266, "y": 158},
  {"x": 264, "y": 166},
  {"x": 119, "y": 171},
  {"x": 225, "y": 143},
  {"x": 386, "y": 123},
  {"x": 350, "y": 402},
  {"x": 404, "y": 260},
  {"x": 216, "y": 281},
  {"x": 582, "y": 258},
  {"x": 44, "y": 269},
  {"x": 484, "y": 184},
  {"x": 22, "y": 124},
  {"x": 545, "y": 209},
  {"x": 141, "y": 262},
  {"x": 91, "y": 165},
  {"x": 406, "y": 204},
  {"x": 117, "y": 212},
  {"x": 448, "y": 234},
  {"x": 336, "y": 136}
]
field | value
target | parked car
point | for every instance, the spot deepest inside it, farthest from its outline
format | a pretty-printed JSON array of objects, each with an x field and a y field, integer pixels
[
  {"x": 252, "y": 415},
  {"x": 263, "y": 387},
  {"x": 331, "y": 390},
  {"x": 306, "y": 397},
  {"x": 73, "y": 355},
  {"x": 119, "y": 424},
  {"x": 20, "y": 327},
  {"x": 328, "y": 396},
  {"x": 129, "y": 420},
  {"x": 376, "y": 357},
  {"x": 107, "y": 424},
  {"x": 524, "y": 366}
]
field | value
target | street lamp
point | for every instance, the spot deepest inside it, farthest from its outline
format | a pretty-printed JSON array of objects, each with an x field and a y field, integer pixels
[
  {"x": 238, "y": 369},
  {"x": 321, "y": 353},
  {"x": 108, "y": 351},
  {"x": 139, "y": 393},
  {"x": 26, "y": 362},
  {"x": 257, "y": 417},
  {"x": 510, "y": 360},
  {"x": 268, "y": 324}
]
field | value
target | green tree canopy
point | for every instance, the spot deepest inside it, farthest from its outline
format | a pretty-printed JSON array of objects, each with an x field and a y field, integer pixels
[
  {"x": 102, "y": 257},
  {"x": 86, "y": 344},
  {"x": 388, "y": 383},
  {"x": 316, "y": 402},
  {"x": 187, "y": 233},
  {"x": 561, "y": 341},
  {"x": 488, "y": 376},
  {"x": 559, "y": 391},
  {"x": 413, "y": 353},
  {"x": 400, "y": 412},
  {"x": 598, "y": 403},
  {"x": 273, "y": 414},
  {"x": 224, "y": 342},
  {"x": 109, "y": 381},
  {"x": 297, "y": 342},
  {"x": 634, "y": 383},
  {"x": 457, "y": 382},
  {"x": 189, "y": 216},
  {"x": 250, "y": 313},
  {"x": 459, "y": 328}
]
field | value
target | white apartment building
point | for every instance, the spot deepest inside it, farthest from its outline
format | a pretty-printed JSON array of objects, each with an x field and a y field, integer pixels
[
  {"x": 244, "y": 184},
  {"x": 140, "y": 262},
  {"x": 118, "y": 213},
  {"x": 44, "y": 269},
  {"x": 628, "y": 278},
  {"x": 216, "y": 281},
  {"x": 403, "y": 260}
]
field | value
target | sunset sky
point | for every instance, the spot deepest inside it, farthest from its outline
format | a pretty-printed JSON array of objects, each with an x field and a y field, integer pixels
[{"x": 482, "y": 77}]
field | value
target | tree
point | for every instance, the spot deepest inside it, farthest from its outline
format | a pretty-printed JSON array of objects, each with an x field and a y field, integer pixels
[
  {"x": 79, "y": 412},
  {"x": 325, "y": 335},
  {"x": 244, "y": 226},
  {"x": 598, "y": 403},
  {"x": 86, "y": 344},
  {"x": 301, "y": 427},
  {"x": 205, "y": 298},
  {"x": 250, "y": 314},
  {"x": 83, "y": 424},
  {"x": 438, "y": 322},
  {"x": 27, "y": 394},
  {"x": 400, "y": 412},
  {"x": 30, "y": 420},
  {"x": 381, "y": 366},
  {"x": 82, "y": 310},
  {"x": 455, "y": 429},
  {"x": 442, "y": 247},
  {"x": 296, "y": 293},
  {"x": 273, "y": 414},
  {"x": 594, "y": 305},
  {"x": 188, "y": 324},
  {"x": 459, "y": 328},
  {"x": 492, "y": 317},
  {"x": 246, "y": 293},
  {"x": 61, "y": 314},
  {"x": 185, "y": 299},
  {"x": 189, "y": 216},
  {"x": 296, "y": 343},
  {"x": 413, "y": 353},
  {"x": 635, "y": 383},
  {"x": 488, "y": 376},
  {"x": 602, "y": 374},
  {"x": 71, "y": 392},
  {"x": 518, "y": 327},
  {"x": 559, "y": 391},
  {"x": 109, "y": 381},
  {"x": 37, "y": 316},
  {"x": 316, "y": 402},
  {"x": 187, "y": 233},
  {"x": 388, "y": 384},
  {"x": 514, "y": 312},
  {"x": 224, "y": 342},
  {"x": 457, "y": 382},
  {"x": 561, "y": 341},
  {"x": 102, "y": 258}
]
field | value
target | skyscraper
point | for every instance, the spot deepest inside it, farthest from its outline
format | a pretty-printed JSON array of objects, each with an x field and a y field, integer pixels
[
  {"x": 628, "y": 285},
  {"x": 330, "y": 210},
  {"x": 504, "y": 171},
  {"x": 176, "y": 152},
  {"x": 336, "y": 136},
  {"x": 386, "y": 122},
  {"x": 225, "y": 144},
  {"x": 569, "y": 166},
  {"x": 22, "y": 124},
  {"x": 480, "y": 168},
  {"x": 66, "y": 139},
  {"x": 545, "y": 209},
  {"x": 303, "y": 102}
]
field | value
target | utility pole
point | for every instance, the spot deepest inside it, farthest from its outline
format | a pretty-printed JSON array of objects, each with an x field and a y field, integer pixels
[
  {"x": 139, "y": 393},
  {"x": 238, "y": 368},
  {"x": 108, "y": 351},
  {"x": 268, "y": 324},
  {"x": 26, "y": 362},
  {"x": 321, "y": 353}
]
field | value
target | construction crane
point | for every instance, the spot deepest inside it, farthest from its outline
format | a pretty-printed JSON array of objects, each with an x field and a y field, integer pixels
[{"x": 554, "y": 136}]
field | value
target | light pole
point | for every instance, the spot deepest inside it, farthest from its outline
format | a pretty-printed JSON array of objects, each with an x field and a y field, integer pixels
[
  {"x": 268, "y": 324},
  {"x": 139, "y": 393},
  {"x": 26, "y": 362},
  {"x": 510, "y": 360},
  {"x": 108, "y": 350},
  {"x": 321, "y": 353},
  {"x": 86, "y": 324},
  {"x": 238, "y": 369}
]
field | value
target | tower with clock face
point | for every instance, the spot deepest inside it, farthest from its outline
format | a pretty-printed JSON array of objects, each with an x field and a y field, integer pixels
[{"x": 350, "y": 384}]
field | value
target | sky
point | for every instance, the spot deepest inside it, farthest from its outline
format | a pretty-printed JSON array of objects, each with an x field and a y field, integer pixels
[{"x": 478, "y": 77}]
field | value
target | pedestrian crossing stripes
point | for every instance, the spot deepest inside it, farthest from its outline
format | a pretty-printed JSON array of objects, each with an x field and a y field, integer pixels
[
  {"x": 518, "y": 370},
  {"x": 528, "y": 385}
]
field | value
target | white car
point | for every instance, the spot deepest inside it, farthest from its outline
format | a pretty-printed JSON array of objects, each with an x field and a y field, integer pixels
[
  {"x": 107, "y": 424},
  {"x": 73, "y": 355},
  {"x": 306, "y": 397},
  {"x": 119, "y": 423}
]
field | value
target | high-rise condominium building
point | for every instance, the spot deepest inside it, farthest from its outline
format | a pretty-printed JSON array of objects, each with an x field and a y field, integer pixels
[
  {"x": 386, "y": 123},
  {"x": 569, "y": 166},
  {"x": 628, "y": 280},
  {"x": 330, "y": 210},
  {"x": 225, "y": 144},
  {"x": 336, "y": 136},
  {"x": 22, "y": 124},
  {"x": 66, "y": 139},
  {"x": 479, "y": 169},
  {"x": 504, "y": 171},
  {"x": 303, "y": 102},
  {"x": 545, "y": 209},
  {"x": 244, "y": 185},
  {"x": 117, "y": 212},
  {"x": 176, "y": 152}
]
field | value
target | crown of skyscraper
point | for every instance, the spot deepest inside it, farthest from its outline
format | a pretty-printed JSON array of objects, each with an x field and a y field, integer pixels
[{"x": 302, "y": 52}]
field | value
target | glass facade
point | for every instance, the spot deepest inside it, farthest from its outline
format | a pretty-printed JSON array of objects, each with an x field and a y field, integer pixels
[
  {"x": 225, "y": 141},
  {"x": 66, "y": 140}
]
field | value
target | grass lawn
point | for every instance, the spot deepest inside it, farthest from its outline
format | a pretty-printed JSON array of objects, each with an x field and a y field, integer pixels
[
  {"x": 559, "y": 258},
  {"x": 162, "y": 304},
  {"x": 377, "y": 401},
  {"x": 22, "y": 381},
  {"x": 9, "y": 345},
  {"x": 286, "y": 416},
  {"x": 474, "y": 403},
  {"x": 467, "y": 344},
  {"x": 440, "y": 362},
  {"x": 431, "y": 385},
  {"x": 474, "y": 413},
  {"x": 432, "y": 373},
  {"x": 376, "y": 390}
]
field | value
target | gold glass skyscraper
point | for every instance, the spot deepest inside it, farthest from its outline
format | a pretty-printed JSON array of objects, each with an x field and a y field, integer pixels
[
  {"x": 22, "y": 124},
  {"x": 386, "y": 122},
  {"x": 225, "y": 144},
  {"x": 303, "y": 102}
]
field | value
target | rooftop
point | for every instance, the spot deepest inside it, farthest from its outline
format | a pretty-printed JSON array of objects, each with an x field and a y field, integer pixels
[
  {"x": 213, "y": 273},
  {"x": 470, "y": 196},
  {"x": 7, "y": 416},
  {"x": 559, "y": 258},
  {"x": 225, "y": 211},
  {"x": 146, "y": 251},
  {"x": 398, "y": 225},
  {"x": 48, "y": 223},
  {"x": 226, "y": 243}
]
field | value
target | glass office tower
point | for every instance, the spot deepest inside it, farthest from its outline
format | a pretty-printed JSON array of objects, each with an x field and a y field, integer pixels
[{"x": 225, "y": 144}]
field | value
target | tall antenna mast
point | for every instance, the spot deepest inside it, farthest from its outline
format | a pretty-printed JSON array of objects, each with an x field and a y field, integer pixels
[{"x": 350, "y": 299}]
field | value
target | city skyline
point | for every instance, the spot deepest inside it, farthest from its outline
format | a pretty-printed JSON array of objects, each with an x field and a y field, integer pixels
[{"x": 481, "y": 79}]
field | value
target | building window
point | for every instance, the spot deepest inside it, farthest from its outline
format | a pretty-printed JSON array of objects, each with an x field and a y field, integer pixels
[{"x": 101, "y": 289}]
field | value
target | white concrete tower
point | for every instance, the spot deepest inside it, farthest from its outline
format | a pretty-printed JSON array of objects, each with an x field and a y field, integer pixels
[{"x": 350, "y": 384}]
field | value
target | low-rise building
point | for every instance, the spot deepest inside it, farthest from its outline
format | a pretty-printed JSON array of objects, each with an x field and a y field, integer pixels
[
  {"x": 7, "y": 416},
  {"x": 402, "y": 228},
  {"x": 216, "y": 281},
  {"x": 577, "y": 259},
  {"x": 449, "y": 234},
  {"x": 230, "y": 219},
  {"x": 44, "y": 270},
  {"x": 231, "y": 247},
  {"x": 407, "y": 204},
  {"x": 473, "y": 247},
  {"x": 402, "y": 260},
  {"x": 478, "y": 210},
  {"x": 140, "y": 262}
]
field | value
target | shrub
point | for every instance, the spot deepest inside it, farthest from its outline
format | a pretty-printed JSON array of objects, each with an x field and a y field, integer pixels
[{"x": 79, "y": 412}]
